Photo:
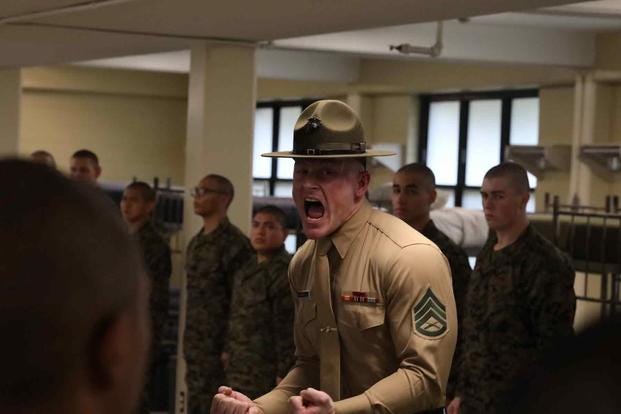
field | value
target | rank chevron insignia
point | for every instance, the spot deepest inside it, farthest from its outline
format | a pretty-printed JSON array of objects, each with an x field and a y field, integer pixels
[{"x": 430, "y": 316}]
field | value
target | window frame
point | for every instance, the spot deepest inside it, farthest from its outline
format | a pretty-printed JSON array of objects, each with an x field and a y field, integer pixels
[
  {"x": 276, "y": 107},
  {"x": 505, "y": 96}
]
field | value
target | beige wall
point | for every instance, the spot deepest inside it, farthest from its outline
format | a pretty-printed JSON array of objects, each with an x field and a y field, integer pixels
[
  {"x": 608, "y": 120},
  {"x": 135, "y": 124},
  {"x": 391, "y": 119},
  {"x": 10, "y": 102},
  {"x": 272, "y": 89},
  {"x": 555, "y": 127},
  {"x": 601, "y": 187},
  {"x": 132, "y": 135},
  {"x": 607, "y": 54},
  {"x": 136, "y": 121},
  {"x": 615, "y": 132},
  {"x": 377, "y": 76}
]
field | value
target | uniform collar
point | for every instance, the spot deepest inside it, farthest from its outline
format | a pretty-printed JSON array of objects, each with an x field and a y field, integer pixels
[
  {"x": 280, "y": 255},
  {"x": 345, "y": 235},
  {"x": 430, "y": 229},
  {"x": 145, "y": 228},
  {"x": 222, "y": 227},
  {"x": 522, "y": 240}
]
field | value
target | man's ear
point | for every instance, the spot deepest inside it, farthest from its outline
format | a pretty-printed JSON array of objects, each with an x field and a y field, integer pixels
[
  {"x": 524, "y": 200},
  {"x": 433, "y": 194},
  {"x": 97, "y": 171},
  {"x": 110, "y": 347},
  {"x": 150, "y": 207},
  {"x": 362, "y": 185}
]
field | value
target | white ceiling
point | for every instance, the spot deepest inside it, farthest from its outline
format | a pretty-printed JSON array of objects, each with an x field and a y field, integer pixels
[
  {"x": 35, "y": 32},
  {"x": 562, "y": 36}
]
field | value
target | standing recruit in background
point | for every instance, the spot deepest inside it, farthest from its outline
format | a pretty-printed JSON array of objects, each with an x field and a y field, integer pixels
[
  {"x": 213, "y": 256},
  {"x": 520, "y": 299},
  {"x": 259, "y": 346}
]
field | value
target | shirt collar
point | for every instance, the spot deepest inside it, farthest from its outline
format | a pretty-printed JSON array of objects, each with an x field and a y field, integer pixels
[
  {"x": 430, "y": 229},
  {"x": 281, "y": 255},
  {"x": 221, "y": 228},
  {"x": 522, "y": 239},
  {"x": 343, "y": 238}
]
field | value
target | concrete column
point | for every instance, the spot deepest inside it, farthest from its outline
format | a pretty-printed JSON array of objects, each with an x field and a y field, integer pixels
[
  {"x": 589, "y": 108},
  {"x": 221, "y": 106},
  {"x": 576, "y": 164},
  {"x": 363, "y": 106},
  {"x": 10, "y": 102},
  {"x": 411, "y": 146}
]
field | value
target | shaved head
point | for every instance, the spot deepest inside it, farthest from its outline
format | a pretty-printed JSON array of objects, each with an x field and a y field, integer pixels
[
  {"x": 224, "y": 184},
  {"x": 43, "y": 157},
  {"x": 429, "y": 179},
  {"x": 68, "y": 271},
  {"x": 514, "y": 173}
]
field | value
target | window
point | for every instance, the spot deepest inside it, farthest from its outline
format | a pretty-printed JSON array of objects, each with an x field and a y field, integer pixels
[
  {"x": 273, "y": 131},
  {"x": 273, "y": 177},
  {"x": 464, "y": 135}
]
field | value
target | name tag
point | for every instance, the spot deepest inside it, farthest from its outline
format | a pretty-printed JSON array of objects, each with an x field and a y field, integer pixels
[{"x": 303, "y": 294}]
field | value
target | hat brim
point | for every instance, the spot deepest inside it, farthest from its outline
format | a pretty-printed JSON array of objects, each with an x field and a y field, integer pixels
[{"x": 366, "y": 154}]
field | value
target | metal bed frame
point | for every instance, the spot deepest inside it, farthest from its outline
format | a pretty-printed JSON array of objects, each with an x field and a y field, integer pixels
[{"x": 592, "y": 238}]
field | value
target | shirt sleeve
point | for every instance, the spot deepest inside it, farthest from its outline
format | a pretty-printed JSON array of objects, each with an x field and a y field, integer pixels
[
  {"x": 552, "y": 304},
  {"x": 461, "y": 271},
  {"x": 423, "y": 347}
]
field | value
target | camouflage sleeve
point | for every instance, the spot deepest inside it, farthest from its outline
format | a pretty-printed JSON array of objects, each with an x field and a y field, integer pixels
[
  {"x": 461, "y": 270},
  {"x": 230, "y": 322},
  {"x": 552, "y": 304},
  {"x": 158, "y": 263},
  {"x": 282, "y": 316},
  {"x": 233, "y": 256}
]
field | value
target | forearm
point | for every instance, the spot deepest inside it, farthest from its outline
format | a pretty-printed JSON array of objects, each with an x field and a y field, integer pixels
[
  {"x": 405, "y": 391},
  {"x": 303, "y": 375}
]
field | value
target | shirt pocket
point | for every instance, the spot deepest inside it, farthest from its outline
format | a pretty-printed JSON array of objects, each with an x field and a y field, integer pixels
[
  {"x": 368, "y": 317},
  {"x": 369, "y": 334}
]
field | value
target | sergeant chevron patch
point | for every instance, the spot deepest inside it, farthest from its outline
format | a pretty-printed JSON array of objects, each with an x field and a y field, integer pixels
[{"x": 429, "y": 316}]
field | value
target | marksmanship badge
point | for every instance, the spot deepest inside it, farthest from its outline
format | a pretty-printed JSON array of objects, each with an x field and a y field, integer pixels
[{"x": 429, "y": 316}]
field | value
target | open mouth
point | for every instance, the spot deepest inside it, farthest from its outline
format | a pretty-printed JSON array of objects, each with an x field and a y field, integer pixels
[{"x": 313, "y": 208}]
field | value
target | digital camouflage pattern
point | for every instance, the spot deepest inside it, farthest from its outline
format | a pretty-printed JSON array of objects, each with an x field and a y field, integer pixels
[
  {"x": 520, "y": 300},
  {"x": 157, "y": 261},
  {"x": 211, "y": 262},
  {"x": 156, "y": 254},
  {"x": 460, "y": 274},
  {"x": 260, "y": 334}
]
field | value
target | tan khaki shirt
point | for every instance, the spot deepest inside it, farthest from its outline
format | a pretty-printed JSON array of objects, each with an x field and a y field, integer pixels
[{"x": 394, "y": 339}]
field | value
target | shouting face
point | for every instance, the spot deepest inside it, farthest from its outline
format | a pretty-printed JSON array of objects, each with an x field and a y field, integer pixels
[{"x": 327, "y": 192}]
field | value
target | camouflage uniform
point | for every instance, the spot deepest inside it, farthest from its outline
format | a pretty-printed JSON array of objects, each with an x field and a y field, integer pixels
[
  {"x": 156, "y": 256},
  {"x": 212, "y": 260},
  {"x": 260, "y": 335},
  {"x": 520, "y": 300},
  {"x": 460, "y": 273}
]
